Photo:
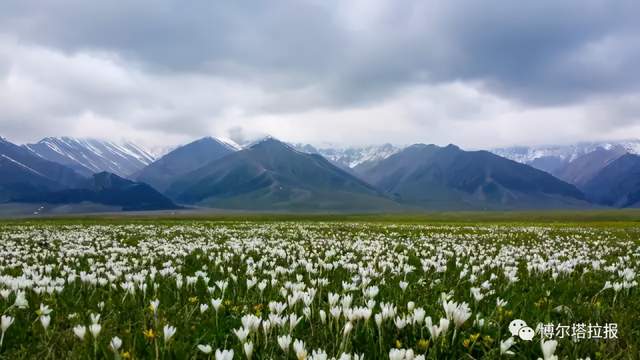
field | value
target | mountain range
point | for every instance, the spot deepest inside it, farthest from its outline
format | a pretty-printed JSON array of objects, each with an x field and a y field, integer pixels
[
  {"x": 448, "y": 177},
  {"x": 271, "y": 175}
]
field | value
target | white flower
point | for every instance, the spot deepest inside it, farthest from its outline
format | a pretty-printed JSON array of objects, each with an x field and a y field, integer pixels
[
  {"x": 378, "y": 319},
  {"x": 80, "y": 331},
  {"x": 168, "y": 332},
  {"x": 95, "y": 318},
  {"x": 459, "y": 313},
  {"x": 409, "y": 354},
  {"x": 410, "y": 306},
  {"x": 347, "y": 328},
  {"x": 506, "y": 345},
  {"x": 300, "y": 350},
  {"x": 284, "y": 342},
  {"x": 45, "y": 320},
  {"x": 203, "y": 308},
  {"x": 95, "y": 329},
  {"x": 501, "y": 303},
  {"x": 206, "y": 349},
  {"x": 216, "y": 303},
  {"x": 154, "y": 305},
  {"x": 4, "y": 325},
  {"x": 400, "y": 322},
  {"x": 21, "y": 300},
  {"x": 115, "y": 343},
  {"x": 418, "y": 316},
  {"x": 320, "y": 354},
  {"x": 241, "y": 333},
  {"x": 224, "y": 354},
  {"x": 403, "y": 285},
  {"x": 549, "y": 349},
  {"x": 248, "y": 349},
  {"x": 323, "y": 316},
  {"x": 44, "y": 310},
  {"x": 397, "y": 354},
  {"x": 294, "y": 320},
  {"x": 6, "y": 322},
  {"x": 5, "y": 293}
]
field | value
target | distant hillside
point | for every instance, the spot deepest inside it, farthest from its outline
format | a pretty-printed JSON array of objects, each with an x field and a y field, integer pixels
[
  {"x": 161, "y": 173},
  {"x": 582, "y": 169},
  {"x": 273, "y": 176},
  {"x": 106, "y": 189},
  {"x": 618, "y": 184},
  {"x": 448, "y": 177},
  {"x": 23, "y": 172}
]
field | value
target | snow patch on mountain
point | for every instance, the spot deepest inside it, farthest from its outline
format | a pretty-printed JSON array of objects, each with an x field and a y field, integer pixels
[
  {"x": 22, "y": 165},
  {"x": 88, "y": 156},
  {"x": 351, "y": 157},
  {"x": 566, "y": 153}
]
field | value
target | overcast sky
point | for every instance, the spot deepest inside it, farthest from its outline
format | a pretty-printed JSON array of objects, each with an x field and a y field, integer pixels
[{"x": 476, "y": 73}]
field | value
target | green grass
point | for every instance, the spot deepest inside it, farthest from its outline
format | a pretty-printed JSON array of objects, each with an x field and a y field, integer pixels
[
  {"x": 606, "y": 217},
  {"x": 434, "y": 253}
]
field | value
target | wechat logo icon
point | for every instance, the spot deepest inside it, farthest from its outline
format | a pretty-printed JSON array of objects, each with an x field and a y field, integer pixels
[{"x": 520, "y": 329}]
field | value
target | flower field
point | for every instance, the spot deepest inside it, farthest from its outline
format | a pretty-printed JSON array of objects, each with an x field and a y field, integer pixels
[{"x": 317, "y": 290}]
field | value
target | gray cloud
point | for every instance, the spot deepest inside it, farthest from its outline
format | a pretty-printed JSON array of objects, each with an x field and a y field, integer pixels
[
  {"x": 549, "y": 51},
  {"x": 188, "y": 68}
]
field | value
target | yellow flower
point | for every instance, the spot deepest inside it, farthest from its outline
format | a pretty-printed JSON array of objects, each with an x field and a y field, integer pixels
[
  {"x": 466, "y": 343},
  {"x": 474, "y": 337},
  {"x": 126, "y": 355},
  {"x": 193, "y": 299},
  {"x": 487, "y": 340},
  {"x": 423, "y": 344},
  {"x": 398, "y": 344},
  {"x": 149, "y": 334}
]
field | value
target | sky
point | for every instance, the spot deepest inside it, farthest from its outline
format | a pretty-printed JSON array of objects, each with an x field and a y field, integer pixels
[{"x": 480, "y": 74}]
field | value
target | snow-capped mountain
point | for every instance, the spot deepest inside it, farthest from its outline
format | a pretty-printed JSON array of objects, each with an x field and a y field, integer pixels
[
  {"x": 23, "y": 172},
  {"x": 566, "y": 153},
  {"x": 89, "y": 156},
  {"x": 576, "y": 164},
  {"x": 351, "y": 157}
]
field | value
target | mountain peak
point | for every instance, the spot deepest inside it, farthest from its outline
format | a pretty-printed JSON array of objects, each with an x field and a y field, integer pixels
[
  {"x": 232, "y": 145},
  {"x": 269, "y": 141}
]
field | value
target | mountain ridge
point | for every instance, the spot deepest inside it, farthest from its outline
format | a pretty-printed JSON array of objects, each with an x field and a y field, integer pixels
[
  {"x": 162, "y": 172},
  {"x": 272, "y": 174},
  {"x": 88, "y": 156},
  {"x": 436, "y": 177}
]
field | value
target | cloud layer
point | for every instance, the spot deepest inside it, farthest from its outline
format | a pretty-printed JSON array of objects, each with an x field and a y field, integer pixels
[{"x": 479, "y": 74}]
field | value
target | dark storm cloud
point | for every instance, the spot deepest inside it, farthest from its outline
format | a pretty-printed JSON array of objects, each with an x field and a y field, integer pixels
[
  {"x": 538, "y": 52},
  {"x": 477, "y": 73}
]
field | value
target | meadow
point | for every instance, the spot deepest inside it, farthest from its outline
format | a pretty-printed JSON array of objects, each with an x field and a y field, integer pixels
[{"x": 322, "y": 288}]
